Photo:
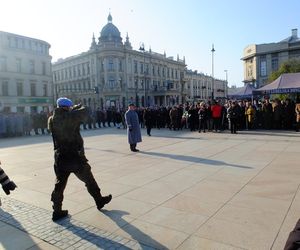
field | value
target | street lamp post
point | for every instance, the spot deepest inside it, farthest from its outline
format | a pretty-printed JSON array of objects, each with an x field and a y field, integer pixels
[
  {"x": 226, "y": 87},
  {"x": 212, "y": 71},
  {"x": 142, "y": 48}
]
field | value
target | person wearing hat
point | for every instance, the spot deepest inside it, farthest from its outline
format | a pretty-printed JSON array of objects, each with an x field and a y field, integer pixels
[
  {"x": 133, "y": 127},
  {"x": 69, "y": 156}
]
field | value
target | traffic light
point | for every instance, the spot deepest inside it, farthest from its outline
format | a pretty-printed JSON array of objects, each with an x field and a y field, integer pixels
[{"x": 96, "y": 90}]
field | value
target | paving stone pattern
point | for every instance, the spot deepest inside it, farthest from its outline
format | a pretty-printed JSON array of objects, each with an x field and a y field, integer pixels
[{"x": 65, "y": 234}]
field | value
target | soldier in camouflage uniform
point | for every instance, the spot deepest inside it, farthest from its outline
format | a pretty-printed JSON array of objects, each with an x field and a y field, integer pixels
[{"x": 69, "y": 155}]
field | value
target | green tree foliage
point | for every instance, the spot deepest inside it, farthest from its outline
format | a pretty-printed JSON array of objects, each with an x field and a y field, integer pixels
[{"x": 291, "y": 66}]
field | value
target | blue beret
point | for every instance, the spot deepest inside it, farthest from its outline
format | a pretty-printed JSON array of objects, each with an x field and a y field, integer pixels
[
  {"x": 131, "y": 104},
  {"x": 64, "y": 102}
]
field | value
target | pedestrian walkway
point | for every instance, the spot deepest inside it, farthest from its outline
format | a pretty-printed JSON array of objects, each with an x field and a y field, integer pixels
[
  {"x": 182, "y": 191},
  {"x": 66, "y": 234}
]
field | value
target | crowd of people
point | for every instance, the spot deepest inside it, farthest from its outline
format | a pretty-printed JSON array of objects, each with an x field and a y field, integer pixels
[
  {"x": 231, "y": 115},
  {"x": 214, "y": 116}
]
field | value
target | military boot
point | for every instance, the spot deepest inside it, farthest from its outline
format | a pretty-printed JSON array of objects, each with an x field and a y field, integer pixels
[
  {"x": 58, "y": 213},
  {"x": 103, "y": 201}
]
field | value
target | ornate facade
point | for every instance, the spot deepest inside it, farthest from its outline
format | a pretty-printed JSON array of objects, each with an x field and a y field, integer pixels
[
  {"x": 111, "y": 73},
  {"x": 25, "y": 74}
]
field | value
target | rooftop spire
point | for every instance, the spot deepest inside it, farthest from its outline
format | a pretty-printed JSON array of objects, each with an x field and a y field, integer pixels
[
  {"x": 109, "y": 18},
  {"x": 93, "y": 44}
]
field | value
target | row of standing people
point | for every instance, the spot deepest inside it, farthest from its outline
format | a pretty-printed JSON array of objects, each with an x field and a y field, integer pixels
[
  {"x": 19, "y": 124},
  {"x": 216, "y": 117},
  {"x": 201, "y": 117}
]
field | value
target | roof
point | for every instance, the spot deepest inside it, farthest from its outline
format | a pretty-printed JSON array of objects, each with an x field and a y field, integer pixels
[
  {"x": 110, "y": 32},
  {"x": 243, "y": 92},
  {"x": 286, "y": 83}
]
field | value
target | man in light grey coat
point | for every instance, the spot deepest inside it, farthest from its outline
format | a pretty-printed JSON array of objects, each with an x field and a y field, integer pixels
[{"x": 133, "y": 127}]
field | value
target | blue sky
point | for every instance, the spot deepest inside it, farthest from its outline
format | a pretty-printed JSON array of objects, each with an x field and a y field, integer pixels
[{"x": 184, "y": 27}]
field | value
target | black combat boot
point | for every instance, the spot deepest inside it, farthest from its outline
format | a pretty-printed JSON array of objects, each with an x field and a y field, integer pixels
[
  {"x": 58, "y": 213},
  {"x": 103, "y": 201}
]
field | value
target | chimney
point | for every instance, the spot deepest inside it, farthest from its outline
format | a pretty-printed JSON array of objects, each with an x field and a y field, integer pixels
[{"x": 295, "y": 33}]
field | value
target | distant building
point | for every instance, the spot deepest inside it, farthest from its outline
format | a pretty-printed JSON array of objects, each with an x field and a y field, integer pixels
[
  {"x": 260, "y": 60},
  {"x": 111, "y": 73},
  {"x": 25, "y": 74},
  {"x": 198, "y": 87}
]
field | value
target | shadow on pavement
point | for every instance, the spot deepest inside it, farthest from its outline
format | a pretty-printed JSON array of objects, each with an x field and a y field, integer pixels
[
  {"x": 193, "y": 159},
  {"x": 86, "y": 235},
  {"x": 8, "y": 234},
  {"x": 135, "y": 233},
  {"x": 285, "y": 133},
  {"x": 178, "y": 137}
]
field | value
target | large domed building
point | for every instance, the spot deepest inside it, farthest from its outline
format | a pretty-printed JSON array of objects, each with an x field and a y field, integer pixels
[
  {"x": 112, "y": 73},
  {"x": 110, "y": 33}
]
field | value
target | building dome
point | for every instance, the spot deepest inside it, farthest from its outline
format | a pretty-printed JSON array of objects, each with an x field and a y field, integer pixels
[{"x": 110, "y": 32}]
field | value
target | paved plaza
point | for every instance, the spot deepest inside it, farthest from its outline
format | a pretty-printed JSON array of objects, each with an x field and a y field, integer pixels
[{"x": 183, "y": 190}]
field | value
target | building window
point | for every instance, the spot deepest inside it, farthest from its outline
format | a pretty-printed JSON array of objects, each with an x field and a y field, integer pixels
[
  {"x": 18, "y": 65},
  {"x": 43, "y": 68},
  {"x": 83, "y": 70},
  {"x": 78, "y": 70},
  {"x": 102, "y": 65},
  {"x": 120, "y": 65},
  {"x": 45, "y": 89},
  {"x": 74, "y": 71},
  {"x": 263, "y": 66},
  {"x": 20, "y": 109},
  {"x": 16, "y": 42},
  {"x": 19, "y": 88},
  {"x": 142, "y": 68},
  {"x": 31, "y": 67},
  {"x": 88, "y": 68},
  {"x": 5, "y": 88},
  {"x": 135, "y": 67},
  {"x": 32, "y": 89},
  {"x": 111, "y": 83},
  {"x": 250, "y": 71},
  {"x": 3, "y": 63},
  {"x": 275, "y": 62},
  {"x": 110, "y": 65}
]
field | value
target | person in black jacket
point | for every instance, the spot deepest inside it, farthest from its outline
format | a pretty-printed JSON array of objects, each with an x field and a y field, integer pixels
[
  {"x": 148, "y": 120},
  {"x": 233, "y": 113},
  {"x": 202, "y": 113},
  {"x": 69, "y": 155}
]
